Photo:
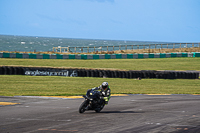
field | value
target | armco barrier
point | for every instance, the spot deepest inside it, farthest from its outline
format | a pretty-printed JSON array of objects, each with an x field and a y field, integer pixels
[
  {"x": 9, "y": 70},
  {"x": 98, "y": 56}
]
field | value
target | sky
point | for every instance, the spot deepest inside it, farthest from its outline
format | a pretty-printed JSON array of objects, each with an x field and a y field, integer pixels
[{"x": 134, "y": 20}]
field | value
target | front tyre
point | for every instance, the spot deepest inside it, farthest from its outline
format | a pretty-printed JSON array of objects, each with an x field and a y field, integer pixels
[{"x": 83, "y": 106}]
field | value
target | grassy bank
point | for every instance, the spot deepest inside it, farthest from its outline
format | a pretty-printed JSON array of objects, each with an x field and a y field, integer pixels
[
  {"x": 125, "y": 64},
  {"x": 195, "y": 49},
  {"x": 12, "y": 85}
]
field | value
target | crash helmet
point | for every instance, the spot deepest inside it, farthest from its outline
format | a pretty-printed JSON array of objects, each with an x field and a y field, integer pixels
[{"x": 104, "y": 85}]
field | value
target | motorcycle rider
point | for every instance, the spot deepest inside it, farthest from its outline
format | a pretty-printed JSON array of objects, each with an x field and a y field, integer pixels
[{"x": 104, "y": 88}]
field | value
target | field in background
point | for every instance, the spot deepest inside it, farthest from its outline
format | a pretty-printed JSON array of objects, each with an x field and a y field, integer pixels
[
  {"x": 13, "y": 85},
  {"x": 122, "y": 64}
]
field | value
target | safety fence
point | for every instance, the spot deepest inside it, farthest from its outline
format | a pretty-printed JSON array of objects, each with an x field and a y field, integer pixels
[
  {"x": 88, "y": 49},
  {"x": 98, "y": 56},
  {"x": 75, "y": 72}
]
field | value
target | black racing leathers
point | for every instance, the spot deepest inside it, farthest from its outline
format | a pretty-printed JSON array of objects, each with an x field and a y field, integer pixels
[{"x": 104, "y": 93}]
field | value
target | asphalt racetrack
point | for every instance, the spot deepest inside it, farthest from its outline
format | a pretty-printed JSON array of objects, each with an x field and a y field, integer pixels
[{"x": 123, "y": 114}]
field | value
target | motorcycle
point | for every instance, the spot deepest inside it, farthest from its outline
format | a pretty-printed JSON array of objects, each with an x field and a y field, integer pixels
[{"x": 93, "y": 101}]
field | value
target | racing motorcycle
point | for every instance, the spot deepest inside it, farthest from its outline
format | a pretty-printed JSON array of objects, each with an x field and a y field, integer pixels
[{"x": 93, "y": 101}]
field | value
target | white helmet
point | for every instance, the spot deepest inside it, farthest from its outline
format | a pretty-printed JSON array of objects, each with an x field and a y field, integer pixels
[{"x": 104, "y": 85}]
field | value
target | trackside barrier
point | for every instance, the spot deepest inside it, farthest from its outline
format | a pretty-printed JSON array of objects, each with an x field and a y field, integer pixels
[
  {"x": 44, "y": 71},
  {"x": 98, "y": 56}
]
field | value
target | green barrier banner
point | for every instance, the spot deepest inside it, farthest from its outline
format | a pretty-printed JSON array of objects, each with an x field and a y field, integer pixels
[
  {"x": 118, "y": 56},
  {"x": 46, "y": 56},
  {"x": 140, "y": 56},
  {"x": 107, "y": 56},
  {"x": 130, "y": 56},
  {"x": 6, "y": 55},
  {"x": 95, "y": 56},
  {"x": 32, "y": 56},
  {"x": 162, "y": 55},
  {"x": 151, "y": 55},
  {"x": 19, "y": 55},
  {"x": 59, "y": 56},
  {"x": 72, "y": 56}
]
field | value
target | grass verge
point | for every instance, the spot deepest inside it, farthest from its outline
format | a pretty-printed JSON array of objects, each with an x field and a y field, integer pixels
[
  {"x": 14, "y": 85},
  {"x": 123, "y": 64}
]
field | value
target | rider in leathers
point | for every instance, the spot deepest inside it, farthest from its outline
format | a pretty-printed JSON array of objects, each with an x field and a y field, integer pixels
[{"x": 105, "y": 91}]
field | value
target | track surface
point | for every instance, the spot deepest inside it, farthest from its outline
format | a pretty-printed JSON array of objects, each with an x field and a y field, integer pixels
[{"x": 133, "y": 113}]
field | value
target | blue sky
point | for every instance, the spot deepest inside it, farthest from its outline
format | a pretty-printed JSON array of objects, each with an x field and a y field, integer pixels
[{"x": 136, "y": 20}]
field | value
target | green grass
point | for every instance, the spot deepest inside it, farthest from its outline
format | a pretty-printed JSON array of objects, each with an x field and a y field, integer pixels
[
  {"x": 12, "y": 85},
  {"x": 125, "y": 64}
]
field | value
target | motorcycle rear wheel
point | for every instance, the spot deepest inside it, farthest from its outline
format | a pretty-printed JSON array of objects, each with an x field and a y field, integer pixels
[
  {"x": 83, "y": 106},
  {"x": 99, "y": 109}
]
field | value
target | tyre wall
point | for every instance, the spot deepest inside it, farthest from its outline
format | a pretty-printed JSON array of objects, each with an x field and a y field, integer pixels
[{"x": 38, "y": 71}]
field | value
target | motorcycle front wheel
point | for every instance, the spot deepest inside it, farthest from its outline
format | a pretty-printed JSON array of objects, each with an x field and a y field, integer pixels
[{"x": 83, "y": 106}]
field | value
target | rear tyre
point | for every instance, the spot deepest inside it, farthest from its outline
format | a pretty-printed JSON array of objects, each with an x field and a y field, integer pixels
[
  {"x": 83, "y": 106},
  {"x": 99, "y": 109}
]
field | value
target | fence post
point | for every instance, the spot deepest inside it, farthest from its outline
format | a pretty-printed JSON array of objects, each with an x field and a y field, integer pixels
[
  {"x": 88, "y": 50},
  {"x": 186, "y": 45},
  {"x": 132, "y": 47},
  {"x": 119, "y": 47},
  {"x": 155, "y": 46},
  {"x": 137, "y": 46},
  {"x": 60, "y": 50},
  {"x": 173, "y": 45},
  {"x": 113, "y": 48},
  {"x": 82, "y": 49},
  {"x": 161, "y": 46},
  {"x": 107, "y": 48},
  {"x": 75, "y": 49},
  {"x": 167, "y": 46},
  {"x": 94, "y": 48},
  {"x": 126, "y": 47}
]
